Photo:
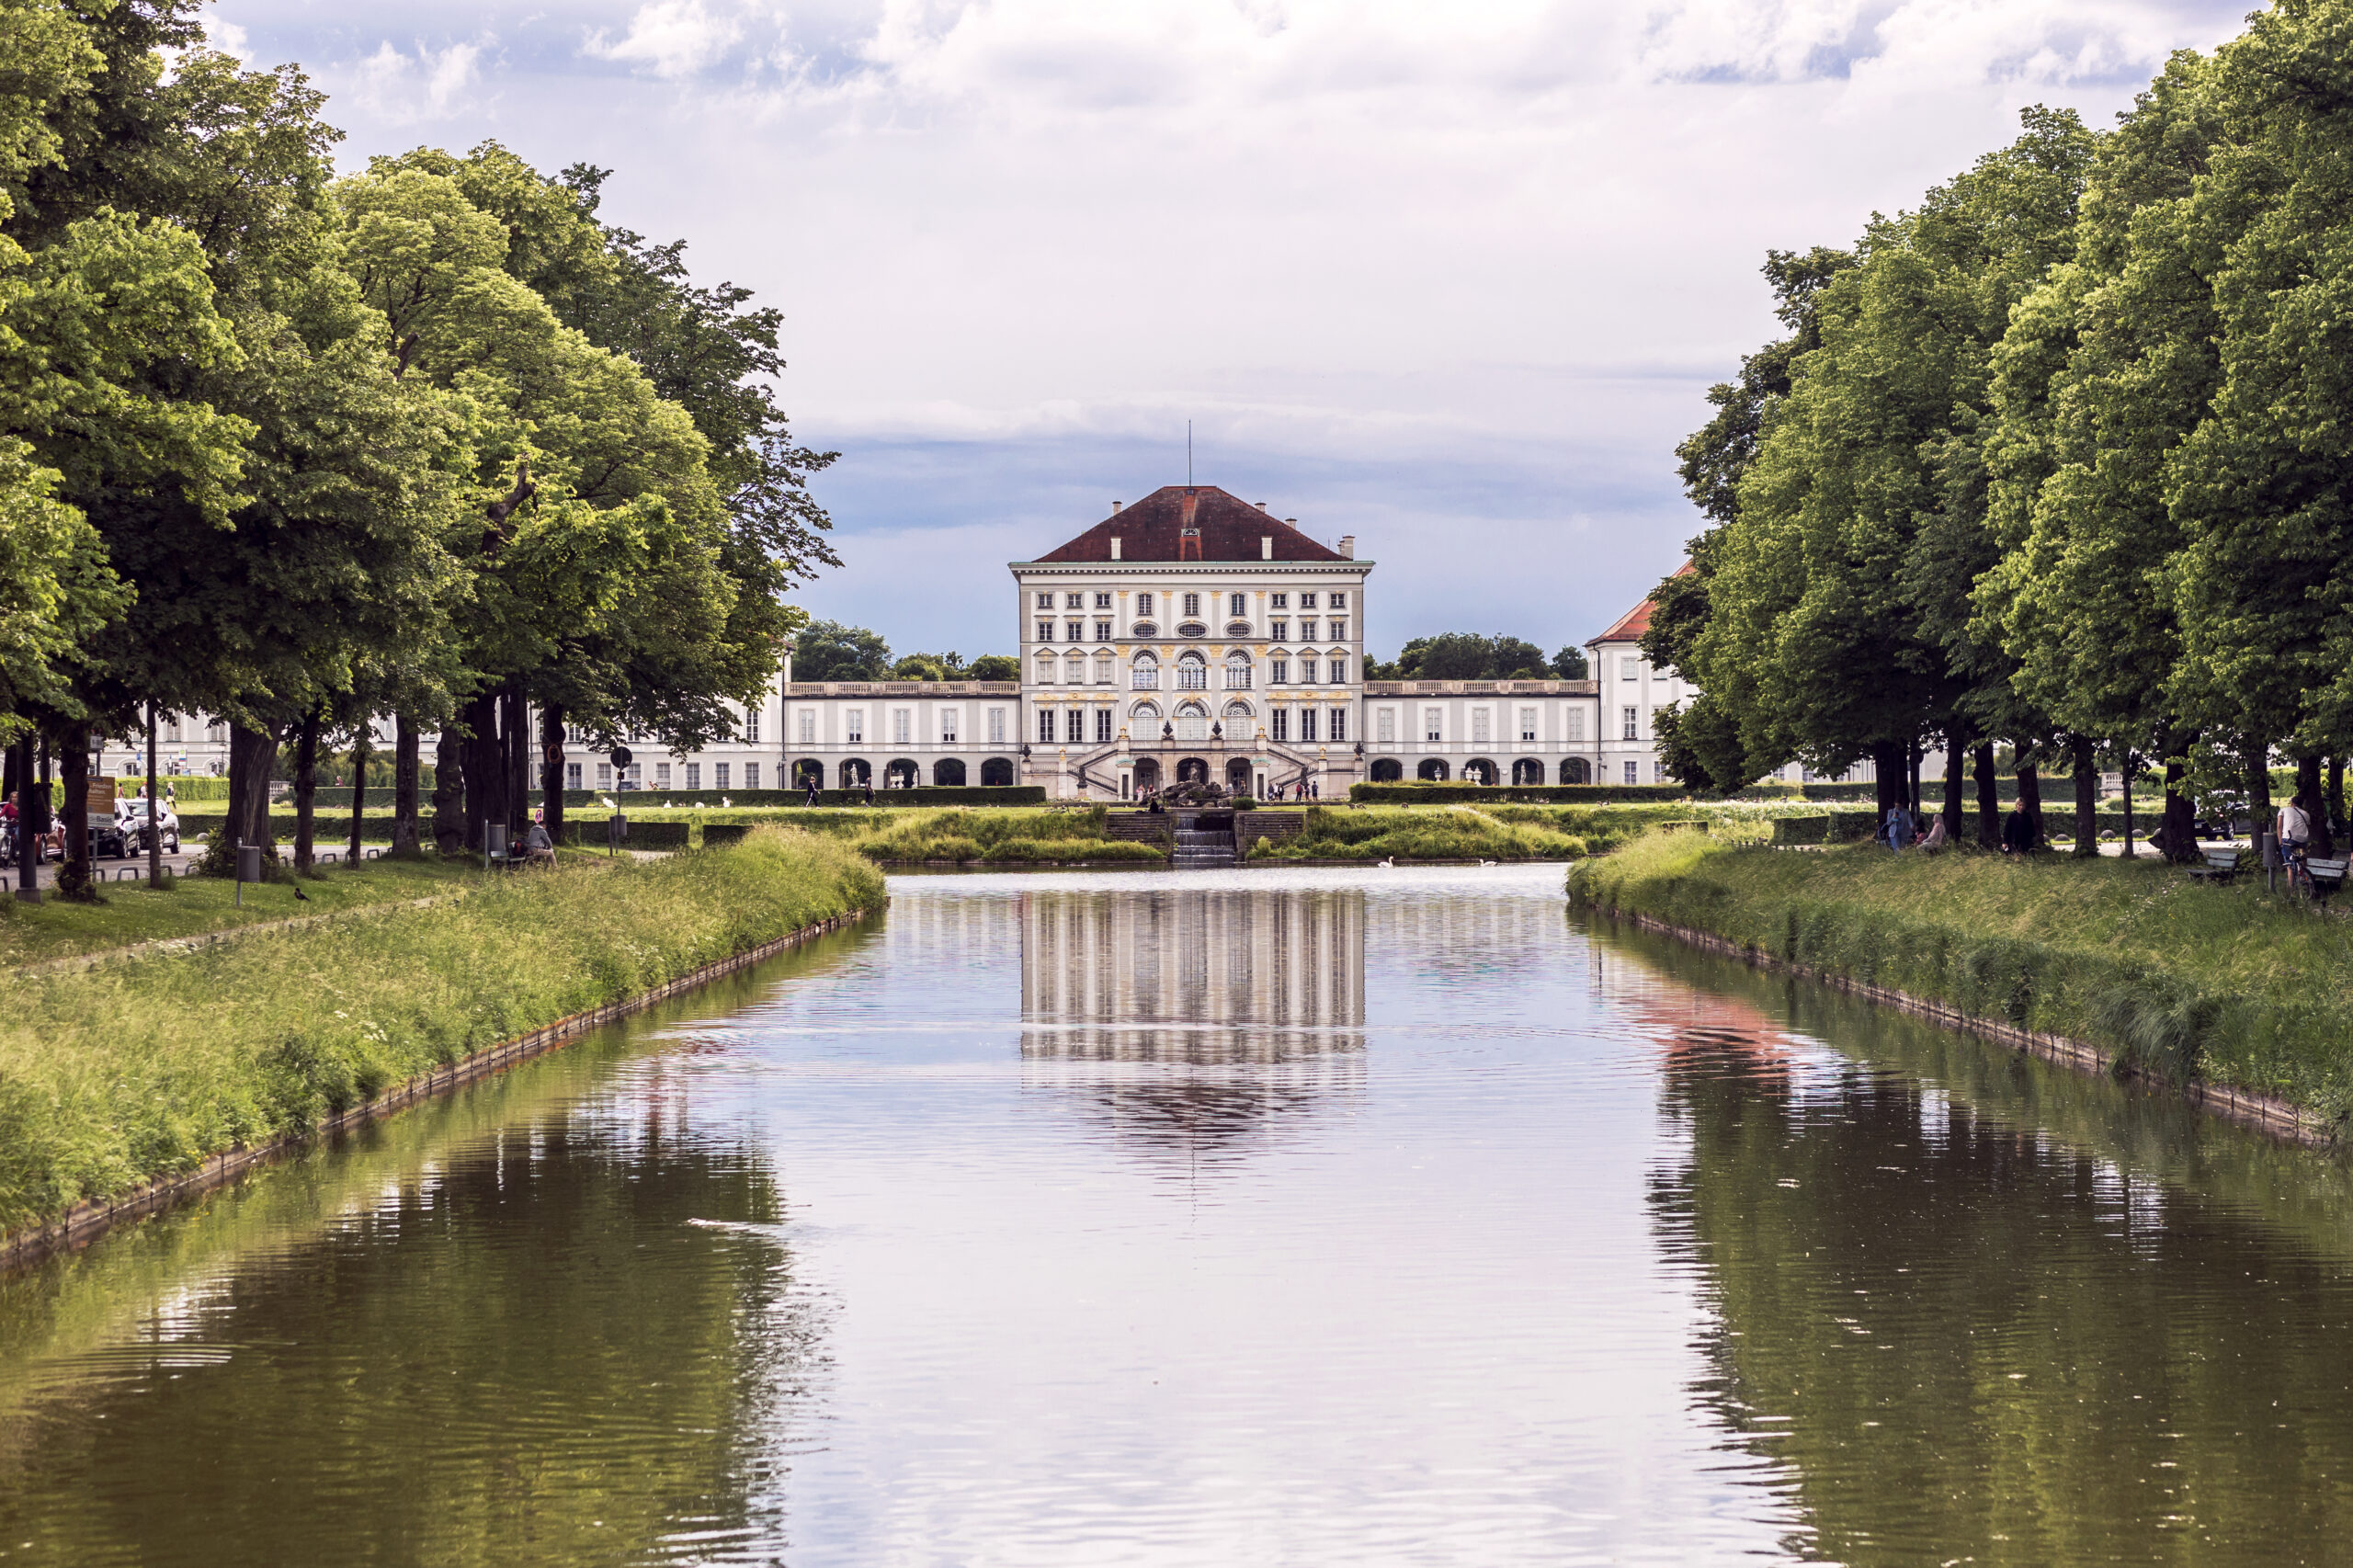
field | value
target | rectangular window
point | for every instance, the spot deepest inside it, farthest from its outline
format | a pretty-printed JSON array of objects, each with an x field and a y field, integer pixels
[
  {"x": 996, "y": 726},
  {"x": 1336, "y": 601},
  {"x": 1192, "y": 675},
  {"x": 1237, "y": 676},
  {"x": 1339, "y": 724},
  {"x": 604, "y": 775},
  {"x": 1340, "y": 632},
  {"x": 1073, "y": 601},
  {"x": 1045, "y": 601},
  {"x": 1102, "y": 725},
  {"x": 1236, "y": 605},
  {"x": 1479, "y": 736},
  {"x": 901, "y": 725},
  {"x": 633, "y": 776},
  {"x": 1102, "y": 601},
  {"x": 1075, "y": 632},
  {"x": 1629, "y": 667},
  {"x": 751, "y": 726},
  {"x": 854, "y": 726},
  {"x": 718, "y": 774},
  {"x": 1306, "y": 724},
  {"x": 1192, "y": 604},
  {"x": 1307, "y": 672},
  {"x": 1283, "y": 725},
  {"x": 1384, "y": 723},
  {"x": 751, "y": 776},
  {"x": 1528, "y": 724},
  {"x": 1279, "y": 601},
  {"x": 1433, "y": 723},
  {"x": 1045, "y": 726},
  {"x": 660, "y": 776},
  {"x": 1146, "y": 676},
  {"x": 1045, "y": 632},
  {"x": 1307, "y": 632},
  {"x": 948, "y": 726},
  {"x": 1576, "y": 726},
  {"x": 1339, "y": 672},
  {"x": 1279, "y": 631},
  {"x": 694, "y": 775},
  {"x": 1074, "y": 726},
  {"x": 808, "y": 727},
  {"x": 572, "y": 775},
  {"x": 1633, "y": 773},
  {"x": 1633, "y": 724},
  {"x": 1143, "y": 604},
  {"x": 1102, "y": 632}
]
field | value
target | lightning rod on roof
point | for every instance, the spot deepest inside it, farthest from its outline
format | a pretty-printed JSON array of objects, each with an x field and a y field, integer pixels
[{"x": 1188, "y": 454}]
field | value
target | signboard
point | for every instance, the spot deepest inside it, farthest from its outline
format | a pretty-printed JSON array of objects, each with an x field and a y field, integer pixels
[{"x": 101, "y": 797}]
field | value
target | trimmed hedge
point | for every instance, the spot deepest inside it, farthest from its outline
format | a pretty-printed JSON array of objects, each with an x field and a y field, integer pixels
[
  {"x": 719, "y": 835},
  {"x": 589, "y": 833},
  {"x": 1455, "y": 793}
]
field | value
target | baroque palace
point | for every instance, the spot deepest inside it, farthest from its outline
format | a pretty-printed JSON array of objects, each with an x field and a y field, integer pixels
[{"x": 1191, "y": 635}]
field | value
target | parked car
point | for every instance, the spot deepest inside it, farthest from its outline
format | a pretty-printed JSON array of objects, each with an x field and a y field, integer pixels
[
  {"x": 108, "y": 840},
  {"x": 131, "y": 817}
]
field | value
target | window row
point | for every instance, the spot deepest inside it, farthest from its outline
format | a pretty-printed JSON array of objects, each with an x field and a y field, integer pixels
[
  {"x": 634, "y": 776},
  {"x": 1525, "y": 724}
]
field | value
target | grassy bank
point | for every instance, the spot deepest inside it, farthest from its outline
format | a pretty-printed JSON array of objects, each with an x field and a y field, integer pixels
[
  {"x": 144, "y": 1065},
  {"x": 1508, "y": 831},
  {"x": 2178, "y": 978}
]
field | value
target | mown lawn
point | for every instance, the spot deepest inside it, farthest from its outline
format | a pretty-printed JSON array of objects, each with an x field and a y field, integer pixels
[{"x": 2177, "y": 977}]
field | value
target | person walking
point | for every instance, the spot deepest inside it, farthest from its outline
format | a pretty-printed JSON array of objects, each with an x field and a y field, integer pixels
[
  {"x": 870, "y": 789},
  {"x": 813, "y": 789},
  {"x": 1899, "y": 827}
]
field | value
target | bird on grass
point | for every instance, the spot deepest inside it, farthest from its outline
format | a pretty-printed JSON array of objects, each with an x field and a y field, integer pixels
[
  {"x": 606, "y": 801},
  {"x": 301, "y": 894},
  {"x": 725, "y": 801}
]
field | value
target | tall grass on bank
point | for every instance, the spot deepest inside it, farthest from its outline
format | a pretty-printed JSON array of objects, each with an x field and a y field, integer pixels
[
  {"x": 143, "y": 1066},
  {"x": 1419, "y": 833},
  {"x": 2177, "y": 978}
]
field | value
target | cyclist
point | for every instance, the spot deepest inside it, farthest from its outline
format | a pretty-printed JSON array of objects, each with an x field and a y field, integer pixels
[{"x": 2294, "y": 827}]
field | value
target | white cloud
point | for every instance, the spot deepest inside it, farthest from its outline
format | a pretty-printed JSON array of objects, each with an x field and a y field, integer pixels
[
  {"x": 401, "y": 88},
  {"x": 227, "y": 37},
  {"x": 672, "y": 38}
]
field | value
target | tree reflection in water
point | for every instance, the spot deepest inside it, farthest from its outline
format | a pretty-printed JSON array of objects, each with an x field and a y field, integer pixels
[
  {"x": 1961, "y": 1337},
  {"x": 1193, "y": 1022}
]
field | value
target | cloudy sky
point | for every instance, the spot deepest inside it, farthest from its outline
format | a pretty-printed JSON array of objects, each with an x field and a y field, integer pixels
[{"x": 1452, "y": 278}]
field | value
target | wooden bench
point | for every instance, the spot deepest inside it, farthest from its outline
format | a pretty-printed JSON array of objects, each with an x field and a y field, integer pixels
[
  {"x": 2327, "y": 875},
  {"x": 2220, "y": 866}
]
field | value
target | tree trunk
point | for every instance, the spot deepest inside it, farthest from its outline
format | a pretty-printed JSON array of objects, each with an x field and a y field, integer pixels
[
  {"x": 405, "y": 780},
  {"x": 20, "y": 774},
  {"x": 1955, "y": 794},
  {"x": 2178, "y": 836},
  {"x": 2086, "y": 764},
  {"x": 2336, "y": 790},
  {"x": 552, "y": 770},
  {"x": 306, "y": 789},
  {"x": 76, "y": 877},
  {"x": 1887, "y": 780},
  {"x": 359, "y": 750},
  {"x": 514, "y": 740},
  {"x": 485, "y": 771},
  {"x": 2126, "y": 763},
  {"x": 2258, "y": 790},
  {"x": 155, "y": 807},
  {"x": 1989, "y": 797},
  {"x": 2308, "y": 796},
  {"x": 1912, "y": 773},
  {"x": 2030, "y": 791},
  {"x": 252, "y": 754},
  {"x": 449, "y": 791}
]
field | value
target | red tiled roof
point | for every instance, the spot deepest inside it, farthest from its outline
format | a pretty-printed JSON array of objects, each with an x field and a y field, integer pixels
[
  {"x": 1230, "y": 530},
  {"x": 1630, "y": 626}
]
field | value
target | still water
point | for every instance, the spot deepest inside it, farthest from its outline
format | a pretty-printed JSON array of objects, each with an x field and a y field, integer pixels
[{"x": 1298, "y": 1217}]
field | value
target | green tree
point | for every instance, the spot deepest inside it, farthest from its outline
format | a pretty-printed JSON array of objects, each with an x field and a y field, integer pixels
[
  {"x": 996, "y": 667},
  {"x": 826, "y": 650}
]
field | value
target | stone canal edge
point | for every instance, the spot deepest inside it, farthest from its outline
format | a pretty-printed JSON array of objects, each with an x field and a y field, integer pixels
[
  {"x": 2263, "y": 1112},
  {"x": 86, "y": 1221}
]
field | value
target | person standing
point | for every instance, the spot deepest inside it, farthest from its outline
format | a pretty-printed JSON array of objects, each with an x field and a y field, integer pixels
[
  {"x": 2294, "y": 824},
  {"x": 1899, "y": 827}
]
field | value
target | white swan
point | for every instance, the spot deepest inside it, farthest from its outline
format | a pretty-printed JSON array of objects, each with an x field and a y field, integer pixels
[
  {"x": 606, "y": 801},
  {"x": 1486, "y": 862},
  {"x": 1384, "y": 865}
]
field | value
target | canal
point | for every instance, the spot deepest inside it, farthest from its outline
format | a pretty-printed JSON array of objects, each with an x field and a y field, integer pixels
[{"x": 1221, "y": 1217}]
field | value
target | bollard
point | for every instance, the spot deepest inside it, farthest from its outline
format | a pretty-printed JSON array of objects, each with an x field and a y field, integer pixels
[
  {"x": 2266, "y": 848},
  {"x": 615, "y": 830},
  {"x": 248, "y": 867}
]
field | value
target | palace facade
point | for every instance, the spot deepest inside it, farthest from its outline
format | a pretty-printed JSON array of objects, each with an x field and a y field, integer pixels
[{"x": 1191, "y": 635}]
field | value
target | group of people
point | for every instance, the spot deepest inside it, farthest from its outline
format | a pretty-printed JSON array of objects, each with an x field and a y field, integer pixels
[
  {"x": 813, "y": 785},
  {"x": 1901, "y": 830}
]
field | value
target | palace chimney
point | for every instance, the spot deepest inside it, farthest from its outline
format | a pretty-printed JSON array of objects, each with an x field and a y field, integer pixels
[{"x": 1347, "y": 547}]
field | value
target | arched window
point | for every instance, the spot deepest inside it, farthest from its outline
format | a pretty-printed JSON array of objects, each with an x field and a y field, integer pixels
[
  {"x": 997, "y": 771},
  {"x": 807, "y": 768},
  {"x": 1192, "y": 673},
  {"x": 1237, "y": 671},
  {"x": 1433, "y": 769},
  {"x": 947, "y": 770},
  {"x": 1045, "y": 669},
  {"x": 1237, "y": 709},
  {"x": 902, "y": 773},
  {"x": 1103, "y": 669},
  {"x": 1576, "y": 770},
  {"x": 854, "y": 773},
  {"x": 1528, "y": 770},
  {"x": 1145, "y": 675},
  {"x": 1387, "y": 770},
  {"x": 1145, "y": 712},
  {"x": 1192, "y": 722},
  {"x": 1479, "y": 770}
]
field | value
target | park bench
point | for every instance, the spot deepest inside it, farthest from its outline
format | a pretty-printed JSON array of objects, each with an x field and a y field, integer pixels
[
  {"x": 2223, "y": 864},
  {"x": 2327, "y": 875}
]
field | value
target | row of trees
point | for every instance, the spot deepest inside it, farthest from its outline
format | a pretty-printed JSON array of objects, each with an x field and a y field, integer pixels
[
  {"x": 827, "y": 650},
  {"x": 1468, "y": 655},
  {"x": 2059, "y": 459},
  {"x": 294, "y": 449}
]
